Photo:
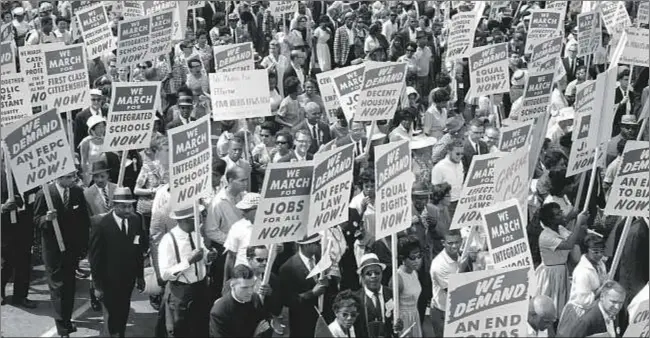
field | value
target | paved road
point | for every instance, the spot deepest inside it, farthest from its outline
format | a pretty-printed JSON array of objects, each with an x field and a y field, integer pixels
[{"x": 21, "y": 322}]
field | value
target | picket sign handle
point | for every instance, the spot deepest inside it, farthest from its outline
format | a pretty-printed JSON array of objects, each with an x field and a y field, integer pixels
[
  {"x": 592, "y": 180},
  {"x": 619, "y": 248},
  {"x": 269, "y": 263},
  {"x": 581, "y": 188},
  {"x": 55, "y": 222},
  {"x": 194, "y": 18},
  {"x": 68, "y": 122},
  {"x": 470, "y": 238},
  {"x": 644, "y": 125},
  {"x": 393, "y": 258},
  {"x": 10, "y": 188},
  {"x": 197, "y": 221},
  {"x": 120, "y": 177},
  {"x": 373, "y": 126}
]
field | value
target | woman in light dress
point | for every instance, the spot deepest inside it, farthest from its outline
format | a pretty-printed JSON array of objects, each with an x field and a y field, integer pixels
[
  {"x": 90, "y": 148},
  {"x": 410, "y": 254},
  {"x": 322, "y": 35}
]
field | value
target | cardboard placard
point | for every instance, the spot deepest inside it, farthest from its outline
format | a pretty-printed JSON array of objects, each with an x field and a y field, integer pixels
[
  {"x": 394, "y": 180},
  {"x": 66, "y": 79},
  {"x": 240, "y": 94},
  {"x": 507, "y": 238},
  {"x": 630, "y": 192},
  {"x": 477, "y": 193}
]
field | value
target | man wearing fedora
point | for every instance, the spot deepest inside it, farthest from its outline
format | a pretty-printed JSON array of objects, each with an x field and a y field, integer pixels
[
  {"x": 377, "y": 304},
  {"x": 99, "y": 196},
  {"x": 182, "y": 259},
  {"x": 116, "y": 250},
  {"x": 72, "y": 215},
  {"x": 185, "y": 107}
]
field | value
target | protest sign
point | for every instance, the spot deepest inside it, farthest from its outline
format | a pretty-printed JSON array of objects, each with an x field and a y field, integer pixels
[
  {"x": 604, "y": 108},
  {"x": 589, "y": 33},
  {"x": 537, "y": 95},
  {"x": 488, "y": 68},
  {"x": 394, "y": 180},
  {"x": 237, "y": 57},
  {"x": 639, "y": 313},
  {"x": 583, "y": 146},
  {"x": 7, "y": 32},
  {"x": 96, "y": 30},
  {"x": 133, "y": 42},
  {"x": 537, "y": 140},
  {"x": 511, "y": 178},
  {"x": 193, "y": 4},
  {"x": 132, "y": 9},
  {"x": 477, "y": 193},
  {"x": 327, "y": 92},
  {"x": 66, "y": 77},
  {"x": 162, "y": 26},
  {"x": 380, "y": 91},
  {"x": 38, "y": 150},
  {"x": 331, "y": 188},
  {"x": 630, "y": 193},
  {"x": 462, "y": 30},
  {"x": 347, "y": 85},
  {"x": 7, "y": 58},
  {"x": 190, "y": 160},
  {"x": 545, "y": 56},
  {"x": 283, "y": 213},
  {"x": 488, "y": 303},
  {"x": 240, "y": 94},
  {"x": 515, "y": 136},
  {"x": 507, "y": 237},
  {"x": 637, "y": 48},
  {"x": 544, "y": 24},
  {"x": 131, "y": 117},
  {"x": 14, "y": 99},
  {"x": 643, "y": 13},
  {"x": 178, "y": 20},
  {"x": 614, "y": 16},
  {"x": 279, "y": 8},
  {"x": 32, "y": 66}
]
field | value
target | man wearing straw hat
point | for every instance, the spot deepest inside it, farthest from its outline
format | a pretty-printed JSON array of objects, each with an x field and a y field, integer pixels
[
  {"x": 182, "y": 259},
  {"x": 72, "y": 215},
  {"x": 116, "y": 248}
]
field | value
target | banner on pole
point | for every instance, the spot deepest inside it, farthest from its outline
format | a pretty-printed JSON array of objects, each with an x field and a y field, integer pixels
[
  {"x": 477, "y": 193},
  {"x": 380, "y": 91},
  {"x": 630, "y": 192},
  {"x": 14, "y": 95},
  {"x": 637, "y": 48},
  {"x": 240, "y": 94},
  {"x": 544, "y": 24},
  {"x": 515, "y": 136},
  {"x": 38, "y": 150},
  {"x": 347, "y": 85},
  {"x": 328, "y": 93},
  {"x": 190, "y": 159},
  {"x": 96, "y": 30},
  {"x": 238, "y": 57},
  {"x": 589, "y": 33},
  {"x": 67, "y": 77},
  {"x": 279, "y": 8},
  {"x": 283, "y": 213},
  {"x": 331, "y": 188},
  {"x": 488, "y": 303},
  {"x": 462, "y": 30},
  {"x": 489, "y": 71},
  {"x": 133, "y": 42},
  {"x": 131, "y": 117},
  {"x": 507, "y": 238},
  {"x": 394, "y": 180}
]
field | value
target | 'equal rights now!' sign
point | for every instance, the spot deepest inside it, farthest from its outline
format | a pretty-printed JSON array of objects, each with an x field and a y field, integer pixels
[{"x": 489, "y": 70}]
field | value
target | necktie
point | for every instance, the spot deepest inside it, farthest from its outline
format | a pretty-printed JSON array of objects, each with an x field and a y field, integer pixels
[
  {"x": 377, "y": 304},
  {"x": 359, "y": 148},
  {"x": 315, "y": 135},
  {"x": 107, "y": 202},
  {"x": 124, "y": 226},
  {"x": 66, "y": 198},
  {"x": 196, "y": 268}
]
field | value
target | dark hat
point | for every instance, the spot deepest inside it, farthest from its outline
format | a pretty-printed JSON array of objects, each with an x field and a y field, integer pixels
[
  {"x": 99, "y": 167},
  {"x": 310, "y": 239},
  {"x": 420, "y": 189}
]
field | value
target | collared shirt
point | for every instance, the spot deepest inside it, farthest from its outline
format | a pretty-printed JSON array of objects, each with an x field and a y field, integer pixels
[
  {"x": 238, "y": 240},
  {"x": 61, "y": 191},
  {"x": 449, "y": 172},
  {"x": 587, "y": 278},
  {"x": 319, "y": 139},
  {"x": 118, "y": 220},
  {"x": 350, "y": 36},
  {"x": 441, "y": 267},
  {"x": 299, "y": 73},
  {"x": 474, "y": 146},
  {"x": 413, "y": 35},
  {"x": 95, "y": 112},
  {"x": 534, "y": 333},
  {"x": 299, "y": 157},
  {"x": 422, "y": 58},
  {"x": 305, "y": 260},
  {"x": 609, "y": 322},
  {"x": 380, "y": 293},
  {"x": 222, "y": 214},
  {"x": 388, "y": 29},
  {"x": 173, "y": 270}
]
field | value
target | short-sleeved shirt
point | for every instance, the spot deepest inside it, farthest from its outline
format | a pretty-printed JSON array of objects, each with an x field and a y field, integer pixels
[
  {"x": 549, "y": 240},
  {"x": 612, "y": 170},
  {"x": 238, "y": 240},
  {"x": 446, "y": 171},
  {"x": 290, "y": 111}
]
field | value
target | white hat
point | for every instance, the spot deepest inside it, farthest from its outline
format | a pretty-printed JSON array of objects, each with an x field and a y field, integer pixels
[
  {"x": 94, "y": 120},
  {"x": 567, "y": 113},
  {"x": 250, "y": 201},
  {"x": 310, "y": 239},
  {"x": 370, "y": 259},
  {"x": 18, "y": 11},
  {"x": 411, "y": 90},
  {"x": 123, "y": 195},
  {"x": 422, "y": 141},
  {"x": 96, "y": 92},
  {"x": 185, "y": 213}
]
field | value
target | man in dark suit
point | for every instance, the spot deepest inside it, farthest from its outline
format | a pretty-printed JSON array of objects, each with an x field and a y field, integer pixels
[
  {"x": 601, "y": 317},
  {"x": 409, "y": 32},
  {"x": 116, "y": 260},
  {"x": 376, "y": 316},
  {"x": 295, "y": 68},
  {"x": 356, "y": 137},
  {"x": 303, "y": 143},
  {"x": 185, "y": 106},
  {"x": 79, "y": 126},
  {"x": 72, "y": 215},
  {"x": 571, "y": 62},
  {"x": 301, "y": 294},
  {"x": 473, "y": 144},
  {"x": 318, "y": 130}
]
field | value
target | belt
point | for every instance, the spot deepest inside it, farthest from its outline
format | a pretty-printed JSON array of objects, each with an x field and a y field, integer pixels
[{"x": 176, "y": 283}]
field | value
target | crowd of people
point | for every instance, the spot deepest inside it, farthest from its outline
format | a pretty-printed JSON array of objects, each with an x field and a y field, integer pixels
[{"x": 218, "y": 286}]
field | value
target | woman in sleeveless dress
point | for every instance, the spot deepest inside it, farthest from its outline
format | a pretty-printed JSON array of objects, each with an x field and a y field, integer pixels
[
  {"x": 90, "y": 148},
  {"x": 410, "y": 255},
  {"x": 322, "y": 34}
]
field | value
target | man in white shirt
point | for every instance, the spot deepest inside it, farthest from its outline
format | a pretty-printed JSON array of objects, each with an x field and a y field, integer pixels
[
  {"x": 541, "y": 316},
  {"x": 445, "y": 264},
  {"x": 450, "y": 170},
  {"x": 235, "y": 158},
  {"x": 182, "y": 259},
  {"x": 240, "y": 233},
  {"x": 390, "y": 27}
]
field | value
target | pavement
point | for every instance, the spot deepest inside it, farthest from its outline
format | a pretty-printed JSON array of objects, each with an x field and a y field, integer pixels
[{"x": 21, "y": 322}]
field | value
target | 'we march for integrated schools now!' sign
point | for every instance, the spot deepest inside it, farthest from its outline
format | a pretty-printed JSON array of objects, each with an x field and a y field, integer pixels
[
  {"x": 38, "y": 150},
  {"x": 507, "y": 237},
  {"x": 283, "y": 212},
  {"x": 96, "y": 30}
]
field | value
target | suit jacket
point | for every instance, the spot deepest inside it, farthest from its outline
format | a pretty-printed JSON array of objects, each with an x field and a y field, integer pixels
[
  {"x": 116, "y": 260},
  {"x": 95, "y": 200},
  {"x": 323, "y": 130},
  {"x": 73, "y": 222},
  {"x": 361, "y": 325},
  {"x": 592, "y": 322},
  {"x": 79, "y": 126},
  {"x": 570, "y": 73},
  {"x": 176, "y": 122},
  {"x": 469, "y": 152},
  {"x": 341, "y": 45},
  {"x": 298, "y": 297}
]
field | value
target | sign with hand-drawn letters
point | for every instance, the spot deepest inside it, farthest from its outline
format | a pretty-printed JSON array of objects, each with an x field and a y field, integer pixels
[{"x": 240, "y": 94}]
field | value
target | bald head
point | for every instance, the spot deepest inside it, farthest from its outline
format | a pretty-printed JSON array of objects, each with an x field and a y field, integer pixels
[
  {"x": 491, "y": 136},
  {"x": 541, "y": 312}
]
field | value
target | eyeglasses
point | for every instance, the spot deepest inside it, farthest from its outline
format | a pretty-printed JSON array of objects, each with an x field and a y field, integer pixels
[
  {"x": 261, "y": 260},
  {"x": 349, "y": 315}
]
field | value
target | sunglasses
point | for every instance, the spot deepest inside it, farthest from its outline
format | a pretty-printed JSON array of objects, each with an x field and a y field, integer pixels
[
  {"x": 349, "y": 315},
  {"x": 261, "y": 260},
  {"x": 372, "y": 273}
]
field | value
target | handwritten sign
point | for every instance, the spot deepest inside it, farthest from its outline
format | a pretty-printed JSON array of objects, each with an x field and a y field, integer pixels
[
  {"x": 394, "y": 181},
  {"x": 14, "y": 99},
  {"x": 240, "y": 94},
  {"x": 630, "y": 192},
  {"x": 511, "y": 177},
  {"x": 637, "y": 48}
]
